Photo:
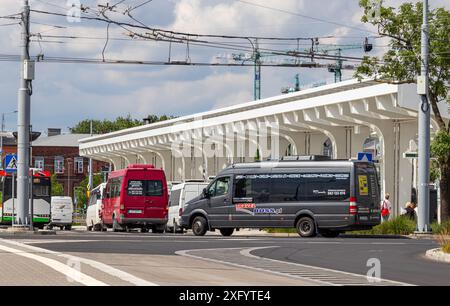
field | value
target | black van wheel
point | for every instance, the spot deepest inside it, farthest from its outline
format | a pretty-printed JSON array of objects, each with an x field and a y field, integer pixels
[
  {"x": 306, "y": 227},
  {"x": 227, "y": 231},
  {"x": 199, "y": 226},
  {"x": 329, "y": 234}
]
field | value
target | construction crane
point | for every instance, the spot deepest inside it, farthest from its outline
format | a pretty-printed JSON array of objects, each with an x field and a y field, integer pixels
[
  {"x": 337, "y": 68},
  {"x": 290, "y": 89},
  {"x": 258, "y": 59},
  {"x": 255, "y": 57}
]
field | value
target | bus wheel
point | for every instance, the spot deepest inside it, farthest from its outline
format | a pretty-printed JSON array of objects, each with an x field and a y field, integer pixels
[
  {"x": 227, "y": 231},
  {"x": 68, "y": 227},
  {"x": 306, "y": 227},
  {"x": 199, "y": 226},
  {"x": 329, "y": 234}
]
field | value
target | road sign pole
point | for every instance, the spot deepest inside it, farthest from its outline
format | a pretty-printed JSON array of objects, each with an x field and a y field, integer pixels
[
  {"x": 13, "y": 185},
  {"x": 23, "y": 123}
]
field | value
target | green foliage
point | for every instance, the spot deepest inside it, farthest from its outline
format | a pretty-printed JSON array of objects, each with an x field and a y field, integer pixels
[
  {"x": 81, "y": 191},
  {"x": 57, "y": 188},
  {"x": 446, "y": 248},
  {"x": 440, "y": 146},
  {"x": 397, "y": 226},
  {"x": 257, "y": 156},
  {"x": 154, "y": 118},
  {"x": 443, "y": 228},
  {"x": 107, "y": 126},
  {"x": 280, "y": 230},
  {"x": 401, "y": 63}
]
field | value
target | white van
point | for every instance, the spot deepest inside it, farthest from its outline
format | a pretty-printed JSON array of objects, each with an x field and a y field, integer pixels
[
  {"x": 94, "y": 209},
  {"x": 179, "y": 195},
  {"x": 61, "y": 213}
]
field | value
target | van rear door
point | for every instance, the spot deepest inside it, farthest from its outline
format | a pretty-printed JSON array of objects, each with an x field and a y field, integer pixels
[
  {"x": 62, "y": 209},
  {"x": 146, "y": 195},
  {"x": 367, "y": 193}
]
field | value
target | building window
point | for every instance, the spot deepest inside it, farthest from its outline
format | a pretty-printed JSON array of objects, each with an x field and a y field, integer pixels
[
  {"x": 59, "y": 164},
  {"x": 39, "y": 163},
  {"x": 79, "y": 165}
]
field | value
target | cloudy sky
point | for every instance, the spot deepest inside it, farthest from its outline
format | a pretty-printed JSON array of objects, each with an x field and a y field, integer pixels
[{"x": 67, "y": 93}]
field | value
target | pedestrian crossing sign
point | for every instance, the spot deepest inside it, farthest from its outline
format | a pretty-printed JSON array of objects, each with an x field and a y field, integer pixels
[{"x": 11, "y": 163}]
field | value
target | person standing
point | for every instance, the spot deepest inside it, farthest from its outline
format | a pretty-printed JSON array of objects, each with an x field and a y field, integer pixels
[{"x": 386, "y": 208}]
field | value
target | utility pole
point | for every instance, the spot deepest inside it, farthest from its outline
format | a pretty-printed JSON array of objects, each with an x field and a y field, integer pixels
[
  {"x": 257, "y": 85},
  {"x": 91, "y": 172},
  {"x": 423, "y": 225},
  {"x": 23, "y": 121},
  {"x": 338, "y": 71}
]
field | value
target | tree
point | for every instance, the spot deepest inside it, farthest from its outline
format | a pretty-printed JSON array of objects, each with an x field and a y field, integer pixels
[
  {"x": 104, "y": 126},
  {"x": 107, "y": 126},
  {"x": 81, "y": 191},
  {"x": 401, "y": 65},
  {"x": 57, "y": 188},
  {"x": 154, "y": 118},
  {"x": 257, "y": 156}
]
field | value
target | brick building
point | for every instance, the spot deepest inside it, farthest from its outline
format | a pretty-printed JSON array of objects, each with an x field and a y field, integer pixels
[{"x": 59, "y": 154}]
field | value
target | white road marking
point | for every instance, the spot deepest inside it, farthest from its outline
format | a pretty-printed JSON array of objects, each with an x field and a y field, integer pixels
[
  {"x": 339, "y": 277},
  {"x": 71, "y": 273},
  {"x": 45, "y": 241},
  {"x": 95, "y": 264},
  {"x": 247, "y": 252},
  {"x": 186, "y": 254}
]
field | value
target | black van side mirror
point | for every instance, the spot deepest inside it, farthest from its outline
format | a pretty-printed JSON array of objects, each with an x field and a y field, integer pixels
[{"x": 205, "y": 193}]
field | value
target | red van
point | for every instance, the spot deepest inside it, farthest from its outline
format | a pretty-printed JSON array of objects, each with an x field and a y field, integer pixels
[{"x": 136, "y": 197}]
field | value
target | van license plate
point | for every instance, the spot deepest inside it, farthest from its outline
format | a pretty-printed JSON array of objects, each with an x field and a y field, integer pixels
[
  {"x": 135, "y": 211},
  {"x": 363, "y": 218}
]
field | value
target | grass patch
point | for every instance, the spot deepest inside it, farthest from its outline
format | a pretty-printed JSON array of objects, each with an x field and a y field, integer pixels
[
  {"x": 443, "y": 235},
  {"x": 446, "y": 248},
  {"x": 397, "y": 226},
  {"x": 287, "y": 230},
  {"x": 443, "y": 228}
]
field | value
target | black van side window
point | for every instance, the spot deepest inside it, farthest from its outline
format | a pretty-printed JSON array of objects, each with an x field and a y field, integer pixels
[{"x": 293, "y": 187}]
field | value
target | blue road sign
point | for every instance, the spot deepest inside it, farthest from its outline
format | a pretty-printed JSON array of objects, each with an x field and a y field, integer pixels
[
  {"x": 11, "y": 163},
  {"x": 364, "y": 156}
]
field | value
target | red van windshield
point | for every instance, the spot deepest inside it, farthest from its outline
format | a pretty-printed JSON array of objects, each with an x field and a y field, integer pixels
[{"x": 149, "y": 188}]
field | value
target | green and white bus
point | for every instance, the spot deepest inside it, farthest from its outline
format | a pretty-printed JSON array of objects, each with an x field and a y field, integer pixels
[{"x": 41, "y": 198}]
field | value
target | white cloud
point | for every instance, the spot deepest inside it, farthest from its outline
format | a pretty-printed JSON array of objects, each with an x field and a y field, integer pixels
[
  {"x": 66, "y": 93},
  {"x": 230, "y": 17}
]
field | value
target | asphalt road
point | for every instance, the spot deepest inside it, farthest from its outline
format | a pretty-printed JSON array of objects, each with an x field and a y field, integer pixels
[{"x": 231, "y": 261}]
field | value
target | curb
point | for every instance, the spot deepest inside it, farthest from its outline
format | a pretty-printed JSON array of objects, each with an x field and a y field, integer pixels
[
  {"x": 376, "y": 236},
  {"x": 438, "y": 255}
]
